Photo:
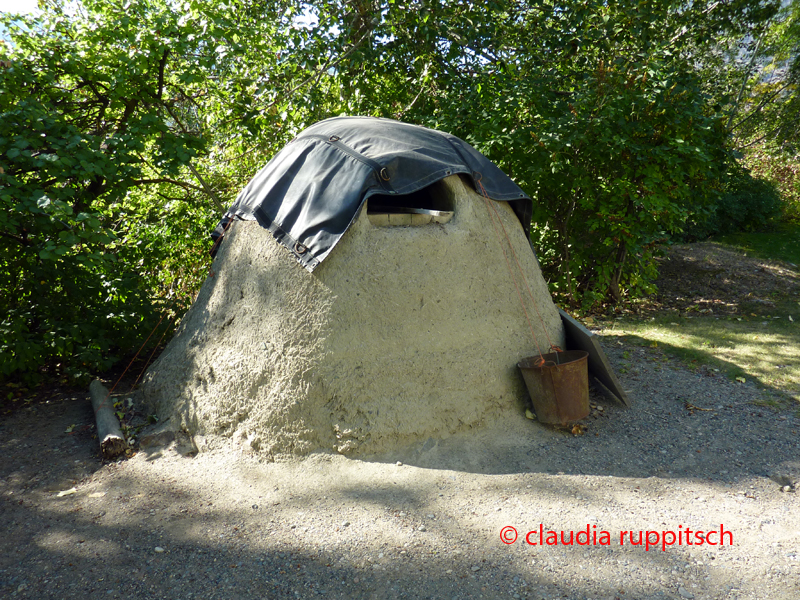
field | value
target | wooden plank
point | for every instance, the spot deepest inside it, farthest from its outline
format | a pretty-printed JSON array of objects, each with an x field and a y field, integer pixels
[{"x": 580, "y": 338}]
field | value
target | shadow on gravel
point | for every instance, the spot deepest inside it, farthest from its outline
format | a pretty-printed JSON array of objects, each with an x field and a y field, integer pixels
[
  {"x": 163, "y": 538},
  {"x": 84, "y": 547}
]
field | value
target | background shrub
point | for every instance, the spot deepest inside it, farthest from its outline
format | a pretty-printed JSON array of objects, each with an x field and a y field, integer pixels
[{"x": 747, "y": 204}]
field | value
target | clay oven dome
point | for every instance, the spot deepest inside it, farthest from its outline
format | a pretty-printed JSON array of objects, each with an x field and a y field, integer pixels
[{"x": 362, "y": 298}]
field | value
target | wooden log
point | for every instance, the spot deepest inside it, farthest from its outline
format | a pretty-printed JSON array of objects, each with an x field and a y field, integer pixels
[{"x": 112, "y": 441}]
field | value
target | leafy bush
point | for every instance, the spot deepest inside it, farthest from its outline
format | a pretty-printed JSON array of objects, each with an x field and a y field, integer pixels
[
  {"x": 747, "y": 204},
  {"x": 782, "y": 170},
  {"x": 82, "y": 125},
  {"x": 63, "y": 316}
]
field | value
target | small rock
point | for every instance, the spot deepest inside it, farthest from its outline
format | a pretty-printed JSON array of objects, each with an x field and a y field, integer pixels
[
  {"x": 422, "y": 528},
  {"x": 684, "y": 593},
  {"x": 346, "y": 524},
  {"x": 786, "y": 488},
  {"x": 159, "y": 549},
  {"x": 255, "y": 507},
  {"x": 398, "y": 463},
  {"x": 476, "y": 568}
]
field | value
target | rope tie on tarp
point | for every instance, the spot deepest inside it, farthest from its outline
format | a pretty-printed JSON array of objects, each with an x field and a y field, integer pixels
[
  {"x": 218, "y": 241},
  {"x": 494, "y": 216}
]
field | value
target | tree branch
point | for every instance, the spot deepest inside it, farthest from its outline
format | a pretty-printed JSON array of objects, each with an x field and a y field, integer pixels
[
  {"x": 320, "y": 71},
  {"x": 19, "y": 240},
  {"x": 745, "y": 80},
  {"x": 206, "y": 188},
  {"x": 417, "y": 97},
  {"x": 162, "y": 64},
  {"x": 756, "y": 141},
  {"x": 130, "y": 107},
  {"x": 758, "y": 108},
  {"x": 182, "y": 184}
]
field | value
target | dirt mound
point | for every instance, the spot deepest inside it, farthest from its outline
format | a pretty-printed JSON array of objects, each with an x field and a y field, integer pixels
[{"x": 708, "y": 277}]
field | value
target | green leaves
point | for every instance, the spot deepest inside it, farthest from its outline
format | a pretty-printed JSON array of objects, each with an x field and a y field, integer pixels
[
  {"x": 81, "y": 125},
  {"x": 124, "y": 127},
  {"x": 603, "y": 120}
]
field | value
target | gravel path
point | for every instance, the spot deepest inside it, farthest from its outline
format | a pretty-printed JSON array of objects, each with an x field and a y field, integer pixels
[{"x": 694, "y": 452}]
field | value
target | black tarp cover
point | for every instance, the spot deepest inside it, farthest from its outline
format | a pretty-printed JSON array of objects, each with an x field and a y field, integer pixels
[{"x": 311, "y": 191}]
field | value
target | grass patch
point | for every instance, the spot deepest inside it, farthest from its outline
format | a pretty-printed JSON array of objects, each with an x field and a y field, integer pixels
[
  {"x": 781, "y": 244},
  {"x": 754, "y": 349}
]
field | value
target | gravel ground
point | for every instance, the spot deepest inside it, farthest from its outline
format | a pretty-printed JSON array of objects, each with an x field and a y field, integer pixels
[{"x": 695, "y": 452}]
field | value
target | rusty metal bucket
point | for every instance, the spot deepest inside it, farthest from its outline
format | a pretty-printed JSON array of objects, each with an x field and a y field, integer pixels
[{"x": 559, "y": 387}]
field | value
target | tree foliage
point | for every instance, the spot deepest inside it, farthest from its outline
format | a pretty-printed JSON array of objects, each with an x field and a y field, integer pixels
[
  {"x": 595, "y": 108},
  {"x": 763, "y": 69},
  {"x": 126, "y": 127},
  {"x": 756, "y": 75}
]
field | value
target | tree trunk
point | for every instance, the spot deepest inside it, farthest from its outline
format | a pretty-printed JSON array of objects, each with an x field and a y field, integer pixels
[{"x": 613, "y": 286}]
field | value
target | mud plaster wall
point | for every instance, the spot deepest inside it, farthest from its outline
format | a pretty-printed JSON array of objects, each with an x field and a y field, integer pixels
[{"x": 401, "y": 334}]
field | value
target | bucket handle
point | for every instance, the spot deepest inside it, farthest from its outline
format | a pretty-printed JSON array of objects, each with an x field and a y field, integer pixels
[{"x": 541, "y": 362}]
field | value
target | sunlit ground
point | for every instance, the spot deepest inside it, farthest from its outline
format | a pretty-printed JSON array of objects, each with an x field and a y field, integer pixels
[
  {"x": 346, "y": 528},
  {"x": 763, "y": 349},
  {"x": 781, "y": 244}
]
